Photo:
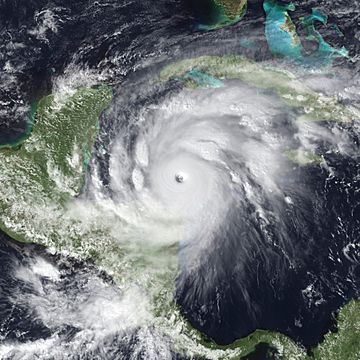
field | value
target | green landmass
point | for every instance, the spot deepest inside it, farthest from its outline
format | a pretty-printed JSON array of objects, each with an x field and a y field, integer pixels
[
  {"x": 313, "y": 106},
  {"x": 233, "y": 9},
  {"x": 303, "y": 158},
  {"x": 46, "y": 168},
  {"x": 344, "y": 344},
  {"x": 225, "y": 13}
]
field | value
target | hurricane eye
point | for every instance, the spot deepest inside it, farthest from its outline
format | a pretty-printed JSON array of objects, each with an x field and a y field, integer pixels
[{"x": 180, "y": 178}]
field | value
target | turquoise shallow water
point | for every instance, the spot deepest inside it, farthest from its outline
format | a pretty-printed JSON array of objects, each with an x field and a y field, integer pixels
[{"x": 283, "y": 39}]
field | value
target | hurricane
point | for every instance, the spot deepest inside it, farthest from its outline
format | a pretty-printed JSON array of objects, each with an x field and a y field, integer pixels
[{"x": 185, "y": 194}]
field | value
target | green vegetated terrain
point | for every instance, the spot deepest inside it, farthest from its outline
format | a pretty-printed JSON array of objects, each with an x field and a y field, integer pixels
[
  {"x": 224, "y": 13},
  {"x": 40, "y": 176},
  {"x": 233, "y": 9},
  {"x": 314, "y": 106},
  {"x": 345, "y": 343}
]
